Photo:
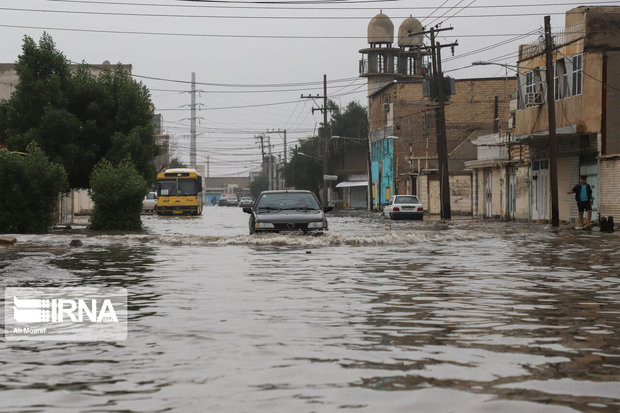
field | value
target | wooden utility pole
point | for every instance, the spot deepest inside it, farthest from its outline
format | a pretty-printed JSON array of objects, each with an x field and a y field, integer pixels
[
  {"x": 440, "y": 122},
  {"x": 326, "y": 134},
  {"x": 553, "y": 138}
]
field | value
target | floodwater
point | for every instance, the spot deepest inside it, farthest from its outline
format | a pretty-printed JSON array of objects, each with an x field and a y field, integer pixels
[{"x": 426, "y": 316}]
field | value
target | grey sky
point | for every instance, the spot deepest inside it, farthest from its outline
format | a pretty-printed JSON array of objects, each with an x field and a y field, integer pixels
[{"x": 227, "y": 135}]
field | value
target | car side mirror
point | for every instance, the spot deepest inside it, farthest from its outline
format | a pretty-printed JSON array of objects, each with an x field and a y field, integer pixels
[
  {"x": 327, "y": 208},
  {"x": 247, "y": 210}
]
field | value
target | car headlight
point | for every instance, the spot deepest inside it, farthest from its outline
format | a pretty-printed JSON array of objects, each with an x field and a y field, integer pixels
[
  {"x": 263, "y": 225},
  {"x": 315, "y": 225}
]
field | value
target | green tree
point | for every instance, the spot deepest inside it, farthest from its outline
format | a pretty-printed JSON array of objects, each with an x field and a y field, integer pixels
[
  {"x": 176, "y": 163},
  {"x": 117, "y": 192},
  {"x": 352, "y": 123},
  {"x": 305, "y": 168},
  {"x": 258, "y": 185},
  {"x": 30, "y": 185},
  {"x": 78, "y": 118}
]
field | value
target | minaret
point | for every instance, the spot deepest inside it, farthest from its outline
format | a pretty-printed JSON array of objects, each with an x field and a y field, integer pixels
[{"x": 379, "y": 63}]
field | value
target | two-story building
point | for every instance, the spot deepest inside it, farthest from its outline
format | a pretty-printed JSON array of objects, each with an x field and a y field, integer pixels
[{"x": 586, "y": 73}]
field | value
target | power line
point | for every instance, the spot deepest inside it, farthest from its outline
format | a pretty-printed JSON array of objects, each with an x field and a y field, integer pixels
[
  {"x": 256, "y": 85},
  {"x": 288, "y": 6},
  {"x": 259, "y": 17}
]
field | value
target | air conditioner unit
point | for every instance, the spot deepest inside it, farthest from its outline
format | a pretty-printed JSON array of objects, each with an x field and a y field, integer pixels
[
  {"x": 534, "y": 99},
  {"x": 386, "y": 107}
]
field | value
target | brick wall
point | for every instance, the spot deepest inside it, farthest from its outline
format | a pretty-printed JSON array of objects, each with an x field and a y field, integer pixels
[
  {"x": 468, "y": 113},
  {"x": 609, "y": 187},
  {"x": 460, "y": 194}
]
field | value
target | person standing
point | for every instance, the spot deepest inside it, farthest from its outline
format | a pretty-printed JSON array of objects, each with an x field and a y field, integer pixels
[{"x": 583, "y": 196}]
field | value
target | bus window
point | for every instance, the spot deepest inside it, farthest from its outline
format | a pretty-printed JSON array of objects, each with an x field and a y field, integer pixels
[
  {"x": 167, "y": 187},
  {"x": 187, "y": 187}
]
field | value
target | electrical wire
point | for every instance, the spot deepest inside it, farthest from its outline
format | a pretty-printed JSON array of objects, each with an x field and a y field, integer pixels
[{"x": 286, "y": 6}]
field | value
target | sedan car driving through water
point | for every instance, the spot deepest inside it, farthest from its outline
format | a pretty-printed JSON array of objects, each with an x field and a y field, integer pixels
[
  {"x": 404, "y": 207},
  {"x": 276, "y": 211}
]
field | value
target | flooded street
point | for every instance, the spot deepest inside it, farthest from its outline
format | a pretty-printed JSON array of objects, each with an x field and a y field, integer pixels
[{"x": 412, "y": 316}]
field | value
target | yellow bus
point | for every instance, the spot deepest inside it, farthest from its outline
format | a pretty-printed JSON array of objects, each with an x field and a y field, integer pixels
[{"x": 179, "y": 192}]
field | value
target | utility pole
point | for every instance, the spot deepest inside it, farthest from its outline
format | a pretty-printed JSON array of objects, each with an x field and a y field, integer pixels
[
  {"x": 192, "y": 130},
  {"x": 279, "y": 178},
  {"x": 208, "y": 165},
  {"x": 270, "y": 163},
  {"x": 261, "y": 138},
  {"x": 326, "y": 133},
  {"x": 283, "y": 134},
  {"x": 440, "y": 121},
  {"x": 553, "y": 138}
]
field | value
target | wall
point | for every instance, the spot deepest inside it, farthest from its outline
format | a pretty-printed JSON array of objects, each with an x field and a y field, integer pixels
[
  {"x": 522, "y": 175},
  {"x": 613, "y": 103},
  {"x": 460, "y": 194},
  {"x": 468, "y": 113},
  {"x": 609, "y": 189}
]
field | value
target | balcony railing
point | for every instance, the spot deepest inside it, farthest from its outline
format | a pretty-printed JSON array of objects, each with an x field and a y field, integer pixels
[{"x": 567, "y": 35}]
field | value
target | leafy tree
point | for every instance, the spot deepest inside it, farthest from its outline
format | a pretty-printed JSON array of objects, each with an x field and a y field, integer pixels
[
  {"x": 352, "y": 123},
  {"x": 176, "y": 163},
  {"x": 258, "y": 185},
  {"x": 78, "y": 118},
  {"x": 117, "y": 192},
  {"x": 30, "y": 186},
  {"x": 305, "y": 169}
]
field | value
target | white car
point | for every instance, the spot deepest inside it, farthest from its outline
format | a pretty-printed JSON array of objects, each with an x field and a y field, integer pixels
[
  {"x": 149, "y": 203},
  {"x": 404, "y": 207}
]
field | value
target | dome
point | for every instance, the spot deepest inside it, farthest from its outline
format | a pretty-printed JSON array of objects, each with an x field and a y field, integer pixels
[
  {"x": 410, "y": 25},
  {"x": 381, "y": 29}
]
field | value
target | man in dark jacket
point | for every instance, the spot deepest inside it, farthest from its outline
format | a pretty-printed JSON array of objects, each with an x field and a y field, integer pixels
[{"x": 583, "y": 196}]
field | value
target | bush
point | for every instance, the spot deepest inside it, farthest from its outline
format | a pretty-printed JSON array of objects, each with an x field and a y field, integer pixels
[
  {"x": 117, "y": 192},
  {"x": 30, "y": 186}
]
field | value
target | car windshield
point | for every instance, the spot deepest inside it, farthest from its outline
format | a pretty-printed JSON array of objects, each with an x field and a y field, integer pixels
[
  {"x": 288, "y": 200},
  {"x": 406, "y": 199}
]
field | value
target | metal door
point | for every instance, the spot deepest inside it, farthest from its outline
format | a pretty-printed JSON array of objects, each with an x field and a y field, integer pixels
[
  {"x": 512, "y": 196},
  {"x": 488, "y": 193},
  {"x": 540, "y": 193},
  {"x": 434, "y": 202}
]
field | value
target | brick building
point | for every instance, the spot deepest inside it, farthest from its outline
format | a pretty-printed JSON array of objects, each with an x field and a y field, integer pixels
[
  {"x": 403, "y": 143},
  {"x": 586, "y": 72}
]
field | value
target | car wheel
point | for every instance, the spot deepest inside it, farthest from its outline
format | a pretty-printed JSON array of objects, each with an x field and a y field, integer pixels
[{"x": 252, "y": 230}]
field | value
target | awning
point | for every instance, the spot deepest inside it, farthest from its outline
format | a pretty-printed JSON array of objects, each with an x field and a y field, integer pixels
[{"x": 349, "y": 184}]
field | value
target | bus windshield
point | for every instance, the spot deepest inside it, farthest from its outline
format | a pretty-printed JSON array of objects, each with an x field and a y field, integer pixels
[{"x": 177, "y": 187}]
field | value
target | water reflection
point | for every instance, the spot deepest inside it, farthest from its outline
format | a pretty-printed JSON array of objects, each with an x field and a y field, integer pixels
[{"x": 421, "y": 316}]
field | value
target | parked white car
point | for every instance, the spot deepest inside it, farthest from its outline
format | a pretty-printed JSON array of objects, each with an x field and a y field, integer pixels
[
  {"x": 404, "y": 207},
  {"x": 149, "y": 203}
]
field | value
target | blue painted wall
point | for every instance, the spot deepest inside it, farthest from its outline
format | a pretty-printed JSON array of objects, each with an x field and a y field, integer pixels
[{"x": 382, "y": 170}]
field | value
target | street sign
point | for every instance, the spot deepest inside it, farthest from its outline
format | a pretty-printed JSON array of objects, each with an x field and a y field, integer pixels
[{"x": 330, "y": 177}]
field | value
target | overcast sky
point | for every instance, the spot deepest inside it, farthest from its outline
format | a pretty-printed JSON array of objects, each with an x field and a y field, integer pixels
[{"x": 255, "y": 58}]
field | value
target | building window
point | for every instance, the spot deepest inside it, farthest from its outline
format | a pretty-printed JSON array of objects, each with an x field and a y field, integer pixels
[
  {"x": 529, "y": 83},
  {"x": 577, "y": 74},
  {"x": 560, "y": 80},
  {"x": 534, "y": 88},
  {"x": 381, "y": 64}
]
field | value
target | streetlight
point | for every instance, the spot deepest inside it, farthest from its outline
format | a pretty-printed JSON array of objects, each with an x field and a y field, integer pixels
[
  {"x": 310, "y": 156},
  {"x": 485, "y": 63}
]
